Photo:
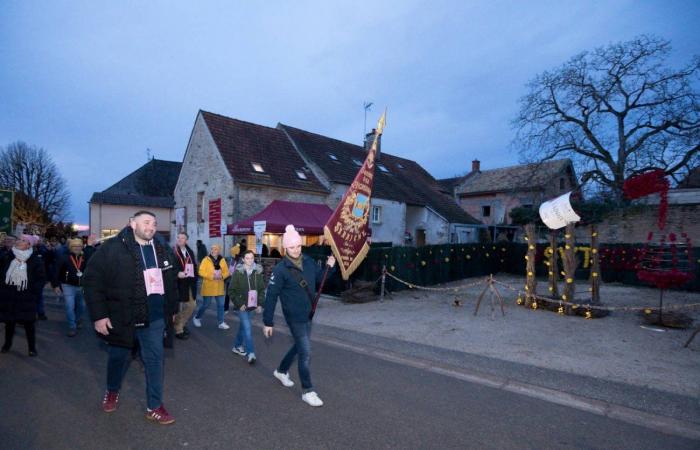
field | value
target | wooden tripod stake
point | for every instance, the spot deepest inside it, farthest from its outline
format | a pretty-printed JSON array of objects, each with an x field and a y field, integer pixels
[{"x": 490, "y": 285}]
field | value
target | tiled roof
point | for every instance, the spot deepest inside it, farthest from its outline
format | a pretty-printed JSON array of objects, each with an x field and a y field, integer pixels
[
  {"x": 448, "y": 184},
  {"x": 523, "y": 177},
  {"x": 152, "y": 184},
  {"x": 243, "y": 143},
  {"x": 132, "y": 200},
  {"x": 406, "y": 181}
]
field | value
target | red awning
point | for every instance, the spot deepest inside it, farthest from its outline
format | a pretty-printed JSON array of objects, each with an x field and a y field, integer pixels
[{"x": 307, "y": 218}]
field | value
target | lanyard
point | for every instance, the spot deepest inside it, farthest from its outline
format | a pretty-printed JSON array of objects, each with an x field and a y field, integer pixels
[
  {"x": 187, "y": 259},
  {"x": 248, "y": 276},
  {"x": 77, "y": 262},
  {"x": 145, "y": 266}
]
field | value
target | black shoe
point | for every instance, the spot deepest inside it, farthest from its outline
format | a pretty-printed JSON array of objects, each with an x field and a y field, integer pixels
[
  {"x": 33, "y": 353},
  {"x": 186, "y": 330},
  {"x": 182, "y": 336},
  {"x": 4, "y": 349},
  {"x": 71, "y": 332},
  {"x": 43, "y": 317}
]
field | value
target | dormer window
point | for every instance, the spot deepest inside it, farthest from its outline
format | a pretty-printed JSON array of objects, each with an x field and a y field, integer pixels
[
  {"x": 332, "y": 156},
  {"x": 383, "y": 168},
  {"x": 357, "y": 162},
  {"x": 258, "y": 167},
  {"x": 301, "y": 175}
]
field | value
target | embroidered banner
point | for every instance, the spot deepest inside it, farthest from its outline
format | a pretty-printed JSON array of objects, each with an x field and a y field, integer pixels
[
  {"x": 347, "y": 229},
  {"x": 215, "y": 218}
]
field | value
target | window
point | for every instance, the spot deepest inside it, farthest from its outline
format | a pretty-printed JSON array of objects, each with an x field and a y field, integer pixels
[
  {"x": 200, "y": 203},
  {"x": 376, "y": 214},
  {"x": 400, "y": 166},
  {"x": 332, "y": 156},
  {"x": 383, "y": 168},
  {"x": 301, "y": 175},
  {"x": 562, "y": 184},
  {"x": 486, "y": 211},
  {"x": 357, "y": 162},
  {"x": 258, "y": 167}
]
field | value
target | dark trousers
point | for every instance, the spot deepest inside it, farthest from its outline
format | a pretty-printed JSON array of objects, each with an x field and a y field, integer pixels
[
  {"x": 301, "y": 332},
  {"x": 150, "y": 341},
  {"x": 29, "y": 330}
]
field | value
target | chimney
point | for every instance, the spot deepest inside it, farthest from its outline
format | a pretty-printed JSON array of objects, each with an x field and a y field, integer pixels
[
  {"x": 369, "y": 139},
  {"x": 476, "y": 165}
]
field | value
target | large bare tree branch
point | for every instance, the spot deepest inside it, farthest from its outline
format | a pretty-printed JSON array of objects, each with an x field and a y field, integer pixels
[{"x": 618, "y": 110}]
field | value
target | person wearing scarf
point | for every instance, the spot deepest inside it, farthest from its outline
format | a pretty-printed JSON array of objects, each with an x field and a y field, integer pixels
[
  {"x": 22, "y": 276},
  {"x": 213, "y": 270}
]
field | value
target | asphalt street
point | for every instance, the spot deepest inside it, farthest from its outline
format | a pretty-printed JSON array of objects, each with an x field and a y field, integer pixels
[{"x": 219, "y": 401}]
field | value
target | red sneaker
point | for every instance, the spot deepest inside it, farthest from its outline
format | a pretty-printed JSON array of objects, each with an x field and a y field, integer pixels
[
  {"x": 160, "y": 415},
  {"x": 110, "y": 401}
]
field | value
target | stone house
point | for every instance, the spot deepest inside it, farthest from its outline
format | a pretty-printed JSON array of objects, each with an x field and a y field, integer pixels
[
  {"x": 149, "y": 187},
  {"x": 241, "y": 167},
  {"x": 490, "y": 195}
]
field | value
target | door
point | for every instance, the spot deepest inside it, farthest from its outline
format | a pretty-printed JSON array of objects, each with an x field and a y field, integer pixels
[{"x": 420, "y": 238}]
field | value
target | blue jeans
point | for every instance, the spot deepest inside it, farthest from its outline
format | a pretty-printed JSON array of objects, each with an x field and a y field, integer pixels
[
  {"x": 219, "y": 307},
  {"x": 301, "y": 332},
  {"x": 151, "y": 342},
  {"x": 245, "y": 335},
  {"x": 75, "y": 303}
]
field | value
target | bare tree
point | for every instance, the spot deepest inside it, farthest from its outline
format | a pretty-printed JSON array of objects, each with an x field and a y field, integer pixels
[
  {"x": 31, "y": 171},
  {"x": 615, "y": 111}
]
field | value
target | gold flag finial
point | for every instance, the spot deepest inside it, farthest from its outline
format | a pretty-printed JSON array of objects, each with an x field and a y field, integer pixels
[{"x": 381, "y": 123}]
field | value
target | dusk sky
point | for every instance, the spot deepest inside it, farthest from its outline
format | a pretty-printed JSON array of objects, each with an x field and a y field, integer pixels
[{"x": 96, "y": 83}]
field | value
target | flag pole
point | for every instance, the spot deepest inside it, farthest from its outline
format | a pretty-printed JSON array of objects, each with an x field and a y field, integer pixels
[{"x": 318, "y": 294}]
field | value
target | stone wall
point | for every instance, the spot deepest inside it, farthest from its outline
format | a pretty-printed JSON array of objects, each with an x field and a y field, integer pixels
[
  {"x": 203, "y": 170},
  {"x": 633, "y": 225}
]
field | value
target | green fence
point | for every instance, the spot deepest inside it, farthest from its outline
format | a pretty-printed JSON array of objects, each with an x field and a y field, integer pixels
[{"x": 435, "y": 264}]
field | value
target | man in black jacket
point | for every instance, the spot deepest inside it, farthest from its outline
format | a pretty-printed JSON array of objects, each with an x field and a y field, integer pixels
[
  {"x": 66, "y": 281},
  {"x": 131, "y": 294},
  {"x": 186, "y": 284}
]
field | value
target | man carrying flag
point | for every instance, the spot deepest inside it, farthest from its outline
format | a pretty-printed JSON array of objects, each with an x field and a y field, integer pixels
[
  {"x": 296, "y": 275},
  {"x": 293, "y": 280}
]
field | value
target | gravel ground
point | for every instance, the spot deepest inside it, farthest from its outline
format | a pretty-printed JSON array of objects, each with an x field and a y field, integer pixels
[{"x": 612, "y": 348}]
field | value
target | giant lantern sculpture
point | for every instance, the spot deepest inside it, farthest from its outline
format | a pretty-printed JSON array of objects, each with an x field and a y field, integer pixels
[{"x": 665, "y": 261}]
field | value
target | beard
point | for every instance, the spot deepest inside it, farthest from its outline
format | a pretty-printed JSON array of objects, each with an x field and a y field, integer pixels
[{"x": 144, "y": 234}]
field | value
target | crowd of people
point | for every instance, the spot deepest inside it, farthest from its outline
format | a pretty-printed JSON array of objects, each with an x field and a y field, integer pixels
[{"x": 139, "y": 293}]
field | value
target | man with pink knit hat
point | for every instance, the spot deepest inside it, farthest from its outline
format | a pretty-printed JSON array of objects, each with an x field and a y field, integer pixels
[{"x": 294, "y": 281}]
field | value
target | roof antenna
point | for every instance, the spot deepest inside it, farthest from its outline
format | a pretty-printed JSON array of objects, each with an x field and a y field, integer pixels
[{"x": 368, "y": 107}]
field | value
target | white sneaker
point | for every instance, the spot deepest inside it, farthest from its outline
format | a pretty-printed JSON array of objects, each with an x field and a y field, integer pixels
[
  {"x": 223, "y": 326},
  {"x": 284, "y": 378},
  {"x": 197, "y": 323},
  {"x": 239, "y": 351},
  {"x": 251, "y": 358},
  {"x": 312, "y": 399}
]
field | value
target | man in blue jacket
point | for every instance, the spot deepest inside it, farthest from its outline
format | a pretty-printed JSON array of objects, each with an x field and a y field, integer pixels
[{"x": 294, "y": 281}]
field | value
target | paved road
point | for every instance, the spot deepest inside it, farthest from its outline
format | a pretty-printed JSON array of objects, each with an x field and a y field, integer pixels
[{"x": 52, "y": 402}]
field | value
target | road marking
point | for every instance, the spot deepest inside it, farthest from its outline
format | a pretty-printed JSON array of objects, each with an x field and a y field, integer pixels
[{"x": 632, "y": 416}]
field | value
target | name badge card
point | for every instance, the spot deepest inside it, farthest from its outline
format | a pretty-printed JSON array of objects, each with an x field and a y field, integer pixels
[
  {"x": 189, "y": 270},
  {"x": 154, "y": 281},
  {"x": 252, "y": 298}
]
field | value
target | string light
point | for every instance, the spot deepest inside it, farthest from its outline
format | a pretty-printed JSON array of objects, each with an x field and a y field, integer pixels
[
  {"x": 589, "y": 314},
  {"x": 534, "y": 305},
  {"x": 519, "y": 300}
]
